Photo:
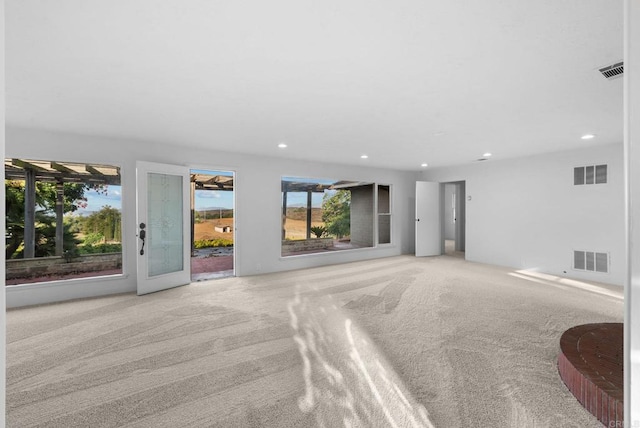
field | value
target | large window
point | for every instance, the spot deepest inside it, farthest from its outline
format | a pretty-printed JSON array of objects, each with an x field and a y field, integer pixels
[
  {"x": 63, "y": 220},
  {"x": 384, "y": 214},
  {"x": 322, "y": 215}
]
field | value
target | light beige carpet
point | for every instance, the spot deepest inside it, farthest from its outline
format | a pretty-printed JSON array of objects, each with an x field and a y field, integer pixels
[{"x": 404, "y": 341}]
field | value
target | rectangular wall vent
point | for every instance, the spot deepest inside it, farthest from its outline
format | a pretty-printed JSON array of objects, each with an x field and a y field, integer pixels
[
  {"x": 591, "y": 261},
  {"x": 592, "y": 174},
  {"x": 613, "y": 71}
]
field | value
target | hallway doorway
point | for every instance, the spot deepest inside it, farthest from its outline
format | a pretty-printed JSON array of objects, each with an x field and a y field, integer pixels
[{"x": 454, "y": 219}]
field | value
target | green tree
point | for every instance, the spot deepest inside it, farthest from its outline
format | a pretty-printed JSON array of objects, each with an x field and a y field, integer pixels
[
  {"x": 46, "y": 237},
  {"x": 336, "y": 213},
  {"x": 45, "y": 215},
  {"x": 106, "y": 222}
]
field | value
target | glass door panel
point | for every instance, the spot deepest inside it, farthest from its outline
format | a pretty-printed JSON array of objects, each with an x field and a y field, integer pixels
[
  {"x": 164, "y": 231},
  {"x": 163, "y": 226}
]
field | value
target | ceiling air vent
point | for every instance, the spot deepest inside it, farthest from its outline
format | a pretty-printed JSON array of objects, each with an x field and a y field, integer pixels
[{"x": 613, "y": 71}]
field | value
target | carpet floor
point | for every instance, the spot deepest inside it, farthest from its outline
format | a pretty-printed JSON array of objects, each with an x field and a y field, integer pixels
[{"x": 400, "y": 341}]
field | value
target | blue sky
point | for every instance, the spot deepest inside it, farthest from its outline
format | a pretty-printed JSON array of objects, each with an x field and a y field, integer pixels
[
  {"x": 213, "y": 199},
  {"x": 95, "y": 200},
  {"x": 299, "y": 199},
  {"x": 204, "y": 199}
]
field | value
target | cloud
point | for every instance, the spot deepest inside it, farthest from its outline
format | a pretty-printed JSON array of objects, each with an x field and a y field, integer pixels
[{"x": 208, "y": 194}]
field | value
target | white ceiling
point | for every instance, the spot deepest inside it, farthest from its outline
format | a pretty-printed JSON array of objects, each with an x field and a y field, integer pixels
[{"x": 404, "y": 82}]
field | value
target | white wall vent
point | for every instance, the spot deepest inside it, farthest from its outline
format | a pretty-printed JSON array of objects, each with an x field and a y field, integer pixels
[
  {"x": 592, "y": 174},
  {"x": 591, "y": 261},
  {"x": 612, "y": 71}
]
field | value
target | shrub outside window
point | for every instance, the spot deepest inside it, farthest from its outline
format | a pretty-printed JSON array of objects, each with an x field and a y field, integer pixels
[
  {"x": 322, "y": 215},
  {"x": 63, "y": 220}
]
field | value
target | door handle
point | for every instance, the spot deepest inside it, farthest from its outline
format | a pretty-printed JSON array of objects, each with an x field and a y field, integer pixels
[
  {"x": 417, "y": 219},
  {"x": 142, "y": 235}
]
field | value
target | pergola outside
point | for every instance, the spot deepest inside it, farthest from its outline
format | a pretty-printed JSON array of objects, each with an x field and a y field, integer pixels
[
  {"x": 32, "y": 171},
  {"x": 309, "y": 187}
]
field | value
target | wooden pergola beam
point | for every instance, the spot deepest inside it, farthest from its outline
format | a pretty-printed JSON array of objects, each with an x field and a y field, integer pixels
[
  {"x": 284, "y": 215},
  {"x": 27, "y": 165},
  {"x": 61, "y": 168},
  {"x": 291, "y": 186},
  {"x": 53, "y": 172},
  {"x": 29, "y": 214},
  {"x": 216, "y": 182},
  {"x": 59, "y": 218},
  {"x": 32, "y": 171},
  {"x": 92, "y": 170},
  {"x": 309, "y": 211},
  {"x": 192, "y": 191}
]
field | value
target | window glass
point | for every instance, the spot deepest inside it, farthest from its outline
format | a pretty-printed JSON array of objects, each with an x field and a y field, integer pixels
[
  {"x": 322, "y": 215},
  {"x": 63, "y": 220},
  {"x": 384, "y": 215}
]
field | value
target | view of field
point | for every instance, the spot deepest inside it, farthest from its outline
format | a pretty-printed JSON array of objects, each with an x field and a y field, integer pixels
[
  {"x": 205, "y": 229},
  {"x": 296, "y": 224},
  {"x": 203, "y": 262}
]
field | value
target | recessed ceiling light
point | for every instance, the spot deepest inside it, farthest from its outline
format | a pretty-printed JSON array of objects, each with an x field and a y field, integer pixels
[
  {"x": 424, "y": 165},
  {"x": 364, "y": 156},
  {"x": 588, "y": 136},
  {"x": 486, "y": 155},
  {"x": 282, "y": 145}
]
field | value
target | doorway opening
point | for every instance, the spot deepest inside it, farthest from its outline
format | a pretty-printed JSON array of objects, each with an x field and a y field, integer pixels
[
  {"x": 212, "y": 224},
  {"x": 454, "y": 219}
]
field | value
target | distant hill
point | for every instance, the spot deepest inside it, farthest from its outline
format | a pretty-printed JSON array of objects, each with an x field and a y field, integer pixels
[
  {"x": 214, "y": 213},
  {"x": 214, "y": 209},
  {"x": 300, "y": 213}
]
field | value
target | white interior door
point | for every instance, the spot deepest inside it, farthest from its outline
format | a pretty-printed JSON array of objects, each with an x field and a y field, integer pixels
[
  {"x": 428, "y": 219},
  {"x": 163, "y": 223}
]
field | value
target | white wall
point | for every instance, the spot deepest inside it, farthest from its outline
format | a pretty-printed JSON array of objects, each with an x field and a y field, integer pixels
[
  {"x": 258, "y": 210},
  {"x": 526, "y": 213}
]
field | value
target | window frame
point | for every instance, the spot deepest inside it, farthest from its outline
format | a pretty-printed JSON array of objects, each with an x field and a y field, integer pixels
[
  {"x": 123, "y": 274},
  {"x": 375, "y": 215}
]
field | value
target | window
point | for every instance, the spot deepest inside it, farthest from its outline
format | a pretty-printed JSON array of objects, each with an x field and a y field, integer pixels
[
  {"x": 63, "y": 220},
  {"x": 384, "y": 215},
  {"x": 321, "y": 215}
]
